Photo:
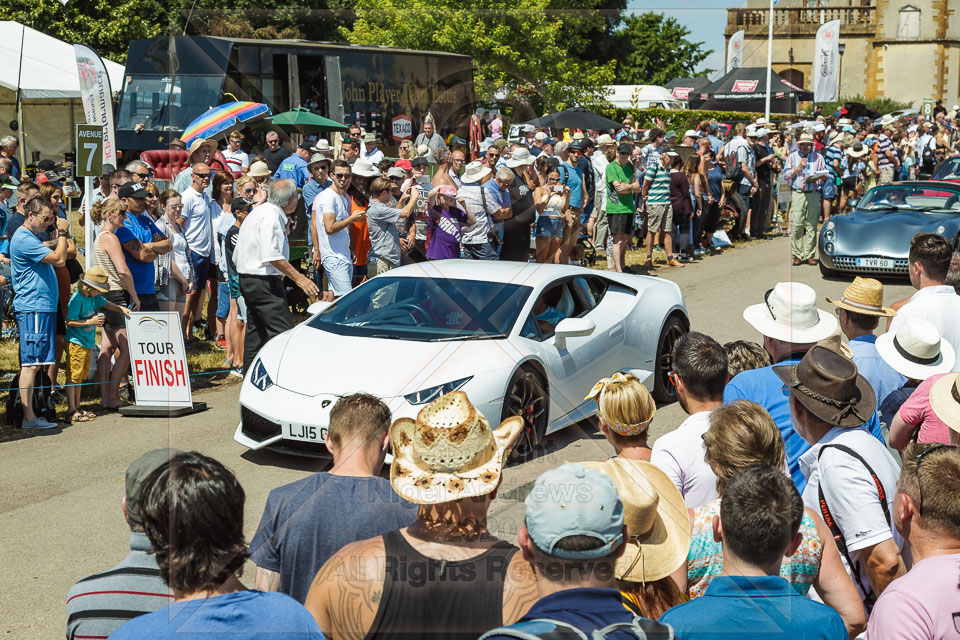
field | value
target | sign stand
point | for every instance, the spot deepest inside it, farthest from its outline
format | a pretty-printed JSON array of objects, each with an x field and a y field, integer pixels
[{"x": 158, "y": 361}]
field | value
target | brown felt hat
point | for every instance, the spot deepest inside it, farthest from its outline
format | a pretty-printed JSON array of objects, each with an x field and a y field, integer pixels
[{"x": 829, "y": 386}]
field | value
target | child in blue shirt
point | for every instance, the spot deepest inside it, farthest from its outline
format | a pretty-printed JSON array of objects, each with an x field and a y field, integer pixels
[{"x": 82, "y": 322}]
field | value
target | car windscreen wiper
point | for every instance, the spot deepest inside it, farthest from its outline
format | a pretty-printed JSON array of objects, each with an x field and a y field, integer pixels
[{"x": 472, "y": 336}]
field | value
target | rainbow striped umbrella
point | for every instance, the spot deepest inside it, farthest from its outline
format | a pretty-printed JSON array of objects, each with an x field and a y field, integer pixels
[{"x": 222, "y": 119}]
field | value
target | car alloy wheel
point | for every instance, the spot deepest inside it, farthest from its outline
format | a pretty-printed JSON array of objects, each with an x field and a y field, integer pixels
[
  {"x": 663, "y": 389},
  {"x": 527, "y": 397}
]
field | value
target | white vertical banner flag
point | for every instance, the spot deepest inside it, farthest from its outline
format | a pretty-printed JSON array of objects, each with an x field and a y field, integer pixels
[
  {"x": 97, "y": 97},
  {"x": 735, "y": 51},
  {"x": 825, "y": 62}
]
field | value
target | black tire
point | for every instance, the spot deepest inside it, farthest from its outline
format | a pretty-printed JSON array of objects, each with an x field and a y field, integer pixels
[
  {"x": 826, "y": 272},
  {"x": 528, "y": 398},
  {"x": 663, "y": 390}
]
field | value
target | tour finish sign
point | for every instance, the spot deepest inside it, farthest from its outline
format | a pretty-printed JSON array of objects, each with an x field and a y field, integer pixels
[{"x": 158, "y": 360}]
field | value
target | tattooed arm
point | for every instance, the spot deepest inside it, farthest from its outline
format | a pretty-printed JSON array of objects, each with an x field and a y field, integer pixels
[
  {"x": 346, "y": 592},
  {"x": 266, "y": 580}
]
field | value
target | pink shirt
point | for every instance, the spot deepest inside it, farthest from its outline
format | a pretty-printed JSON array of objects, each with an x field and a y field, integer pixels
[
  {"x": 917, "y": 411},
  {"x": 496, "y": 129},
  {"x": 919, "y": 605}
]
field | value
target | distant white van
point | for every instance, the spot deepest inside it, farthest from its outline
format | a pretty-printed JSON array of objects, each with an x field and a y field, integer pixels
[{"x": 642, "y": 96}]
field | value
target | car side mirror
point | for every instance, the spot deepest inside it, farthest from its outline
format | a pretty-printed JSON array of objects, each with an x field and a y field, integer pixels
[
  {"x": 852, "y": 204},
  {"x": 572, "y": 328},
  {"x": 318, "y": 306}
]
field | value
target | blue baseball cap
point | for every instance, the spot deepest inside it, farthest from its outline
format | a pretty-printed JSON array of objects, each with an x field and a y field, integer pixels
[{"x": 572, "y": 500}]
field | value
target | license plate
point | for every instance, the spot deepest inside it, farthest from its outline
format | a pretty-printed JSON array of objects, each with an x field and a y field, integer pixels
[
  {"x": 875, "y": 263},
  {"x": 305, "y": 432}
]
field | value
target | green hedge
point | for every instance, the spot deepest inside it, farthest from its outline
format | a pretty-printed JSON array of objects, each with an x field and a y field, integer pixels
[{"x": 682, "y": 119}]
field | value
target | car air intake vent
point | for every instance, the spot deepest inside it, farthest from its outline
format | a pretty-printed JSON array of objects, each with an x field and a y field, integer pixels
[
  {"x": 256, "y": 426},
  {"x": 847, "y": 263}
]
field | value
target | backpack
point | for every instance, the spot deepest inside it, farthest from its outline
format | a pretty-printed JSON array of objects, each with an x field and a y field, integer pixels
[
  {"x": 734, "y": 171},
  {"x": 43, "y": 403},
  {"x": 550, "y": 629}
]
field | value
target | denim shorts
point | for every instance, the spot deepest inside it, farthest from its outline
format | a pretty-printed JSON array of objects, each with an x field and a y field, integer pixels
[
  {"x": 36, "y": 337},
  {"x": 339, "y": 274},
  {"x": 829, "y": 188},
  {"x": 203, "y": 270},
  {"x": 549, "y": 227},
  {"x": 223, "y": 300}
]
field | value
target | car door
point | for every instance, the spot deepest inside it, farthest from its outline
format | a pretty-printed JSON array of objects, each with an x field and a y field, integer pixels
[{"x": 575, "y": 367}]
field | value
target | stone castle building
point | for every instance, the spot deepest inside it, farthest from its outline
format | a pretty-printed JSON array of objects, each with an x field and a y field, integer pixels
[{"x": 907, "y": 50}]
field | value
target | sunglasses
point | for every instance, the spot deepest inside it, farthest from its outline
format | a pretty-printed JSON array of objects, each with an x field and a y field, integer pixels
[
  {"x": 250, "y": 190},
  {"x": 920, "y": 458},
  {"x": 146, "y": 176},
  {"x": 201, "y": 175},
  {"x": 493, "y": 155},
  {"x": 342, "y": 176},
  {"x": 273, "y": 142}
]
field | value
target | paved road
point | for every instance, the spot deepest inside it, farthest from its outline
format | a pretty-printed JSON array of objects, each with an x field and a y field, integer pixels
[{"x": 60, "y": 494}]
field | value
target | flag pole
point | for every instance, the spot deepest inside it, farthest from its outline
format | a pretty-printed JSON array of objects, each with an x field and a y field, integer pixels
[{"x": 769, "y": 59}]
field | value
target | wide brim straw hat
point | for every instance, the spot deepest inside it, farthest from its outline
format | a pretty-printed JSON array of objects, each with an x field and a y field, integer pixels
[
  {"x": 864, "y": 296},
  {"x": 200, "y": 143},
  {"x": 916, "y": 349},
  {"x": 449, "y": 452},
  {"x": 365, "y": 169},
  {"x": 658, "y": 524},
  {"x": 259, "y": 170},
  {"x": 519, "y": 158},
  {"x": 945, "y": 400},
  {"x": 789, "y": 313}
]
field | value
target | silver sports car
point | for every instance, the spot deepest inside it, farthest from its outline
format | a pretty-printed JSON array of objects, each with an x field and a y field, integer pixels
[{"x": 874, "y": 238}]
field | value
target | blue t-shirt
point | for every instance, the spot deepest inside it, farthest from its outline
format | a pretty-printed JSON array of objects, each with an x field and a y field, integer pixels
[
  {"x": 572, "y": 178},
  {"x": 501, "y": 196},
  {"x": 293, "y": 167},
  {"x": 587, "y": 609},
  {"x": 140, "y": 228},
  {"x": 882, "y": 377},
  {"x": 244, "y": 615},
  {"x": 306, "y": 522},
  {"x": 758, "y": 608},
  {"x": 765, "y": 387},
  {"x": 82, "y": 308},
  {"x": 34, "y": 280}
]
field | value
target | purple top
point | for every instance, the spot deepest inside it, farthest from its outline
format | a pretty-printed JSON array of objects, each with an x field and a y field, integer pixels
[{"x": 444, "y": 227}]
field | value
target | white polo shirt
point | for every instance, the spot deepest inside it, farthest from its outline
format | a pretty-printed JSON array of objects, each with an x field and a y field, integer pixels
[
  {"x": 335, "y": 244},
  {"x": 262, "y": 240},
  {"x": 680, "y": 453},
  {"x": 850, "y": 492},
  {"x": 198, "y": 227},
  {"x": 473, "y": 196},
  {"x": 939, "y": 305}
]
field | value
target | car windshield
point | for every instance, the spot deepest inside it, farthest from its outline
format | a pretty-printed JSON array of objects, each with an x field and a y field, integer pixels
[
  {"x": 910, "y": 197},
  {"x": 425, "y": 309},
  {"x": 162, "y": 103},
  {"x": 949, "y": 170}
]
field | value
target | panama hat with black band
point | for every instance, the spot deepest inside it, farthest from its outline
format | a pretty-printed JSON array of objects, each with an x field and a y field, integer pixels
[{"x": 916, "y": 349}]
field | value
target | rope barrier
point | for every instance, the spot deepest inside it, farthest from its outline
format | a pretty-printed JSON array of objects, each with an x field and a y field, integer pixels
[{"x": 88, "y": 384}]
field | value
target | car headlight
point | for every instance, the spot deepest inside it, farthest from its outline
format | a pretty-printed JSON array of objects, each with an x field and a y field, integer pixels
[
  {"x": 828, "y": 248},
  {"x": 432, "y": 393},
  {"x": 829, "y": 235},
  {"x": 259, "y": 376},
  {"x": 830, "y": 224},
  {"x": 941, "y": 229}
]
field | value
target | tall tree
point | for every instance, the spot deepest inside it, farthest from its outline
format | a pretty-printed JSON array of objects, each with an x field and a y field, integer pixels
[
  {"x": 655, "y": 49},
  {"x": 519, "y": 47}
]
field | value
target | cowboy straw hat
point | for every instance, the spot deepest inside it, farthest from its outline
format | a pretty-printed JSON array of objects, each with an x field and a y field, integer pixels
[
  {"x": 658, "y": 524},
  {"x": 828, "y": 386},
  {"x": 945, "y": 400},
  {"x": 199, "y": 143},
  {"x": 916, "y": 349},
  {"x": 258, "y": 170},
  {"x": 474, "y": 172},
  {"x": 789, "y": 313},
  {"x": 520, "y": 157},
  {"x": 864, "y": 296},
  {"x": 449, "y": 452},
  {"x": 805, "y": 138},
  {"x": 365, "y": 169}
]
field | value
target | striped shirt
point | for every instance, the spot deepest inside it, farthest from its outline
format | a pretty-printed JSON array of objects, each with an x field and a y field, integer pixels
[
  {"x": 830, "y": 154},
  {"x": 100, "y": 604},
  {"x": 883, "y": 146},
  {"x": 659, "y": 179},
  {"x": 815, "y": 164}
]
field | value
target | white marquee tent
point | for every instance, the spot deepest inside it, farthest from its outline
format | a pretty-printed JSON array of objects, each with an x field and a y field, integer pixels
[{"x": 50, "y": 90}]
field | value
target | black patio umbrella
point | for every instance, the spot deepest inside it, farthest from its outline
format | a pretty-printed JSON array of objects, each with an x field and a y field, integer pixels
[{"x": 574, "y": 118}]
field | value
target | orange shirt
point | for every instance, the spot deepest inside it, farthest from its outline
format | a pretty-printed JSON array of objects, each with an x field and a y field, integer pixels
[{"x": 359, "y": 236}]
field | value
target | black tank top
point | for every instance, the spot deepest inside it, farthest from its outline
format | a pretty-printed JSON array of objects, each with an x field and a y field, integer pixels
[
  {"x": 516, "y": 230},
  {"x": 428, "y": 598}
]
